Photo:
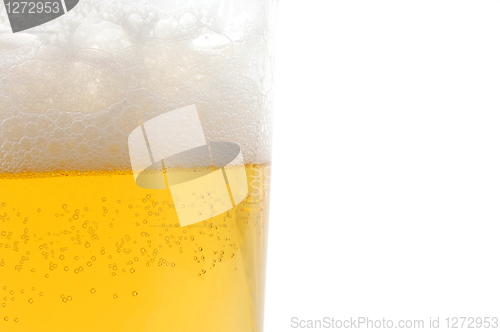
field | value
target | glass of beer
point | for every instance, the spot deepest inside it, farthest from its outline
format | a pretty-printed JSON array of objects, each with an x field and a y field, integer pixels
[{"x": 135, "y": 149}]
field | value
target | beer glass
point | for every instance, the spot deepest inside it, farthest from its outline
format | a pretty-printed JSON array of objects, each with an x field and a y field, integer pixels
[{"x": 135, "y": 150}]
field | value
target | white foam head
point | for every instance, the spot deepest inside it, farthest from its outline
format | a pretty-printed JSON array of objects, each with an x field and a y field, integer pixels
[{"x": 73, "y": 89}]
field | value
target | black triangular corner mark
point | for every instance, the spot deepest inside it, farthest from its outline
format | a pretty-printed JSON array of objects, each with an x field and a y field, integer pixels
[
  {"x": 70, "y": 4},
  {"x": 26, "y": 15}
]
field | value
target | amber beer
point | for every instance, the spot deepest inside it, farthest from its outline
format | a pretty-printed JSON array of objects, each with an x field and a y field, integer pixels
[
  {"x": 135, "y": 141},
  {"x": 94, "y": 252}
]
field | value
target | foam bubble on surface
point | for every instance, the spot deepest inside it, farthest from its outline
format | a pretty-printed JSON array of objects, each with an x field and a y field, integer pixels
[
  {"x": 8, "y": 40},
  {"x": 101, "y": 35},
  {"x": 72, "y": 90},
  {"x": 165, "y": 28}
]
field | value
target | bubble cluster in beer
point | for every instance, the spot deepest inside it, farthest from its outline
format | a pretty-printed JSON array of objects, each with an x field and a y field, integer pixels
[
  {"x": 104, "y": 250},
  {"x": 73, "y": 89}
]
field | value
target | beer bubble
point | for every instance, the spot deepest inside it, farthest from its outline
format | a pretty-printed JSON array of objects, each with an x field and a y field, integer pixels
[
  {"x": 30, "y": 300},
  {"x": 134, "y": 293},
  {"x": 16, "y": 320},
  {"x": 115, "y": 296},
  {"x": 92, "y": 290}
]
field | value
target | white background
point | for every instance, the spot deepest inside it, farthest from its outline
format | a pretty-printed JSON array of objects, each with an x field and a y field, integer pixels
[{"x": 386, "y": 175}]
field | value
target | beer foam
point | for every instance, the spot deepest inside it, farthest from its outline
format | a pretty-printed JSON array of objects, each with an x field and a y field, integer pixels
[{"x": 73, "y": 89}]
